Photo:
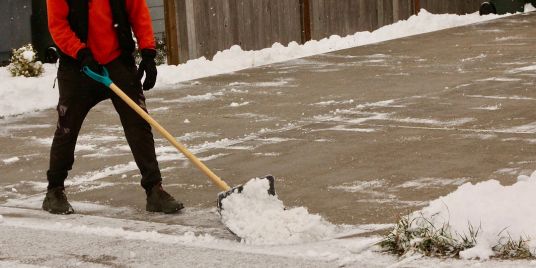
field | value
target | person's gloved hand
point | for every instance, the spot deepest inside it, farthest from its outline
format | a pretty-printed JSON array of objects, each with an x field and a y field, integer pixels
[
  {"x": 86, "y": 59},
  {"x": 147, "y": 65}
]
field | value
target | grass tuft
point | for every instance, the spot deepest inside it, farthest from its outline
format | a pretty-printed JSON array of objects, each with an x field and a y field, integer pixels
[{"x": 418, "y": 235}]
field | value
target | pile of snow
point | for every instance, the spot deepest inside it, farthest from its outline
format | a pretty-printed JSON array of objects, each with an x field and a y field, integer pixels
[
  {"x": 261, "y": 219},
  {"x": 26, "y": 94},
  {"x": 501, "y": 213},
  {"x": 22, "y": 95},
  {"x": 235, "y": 59}
]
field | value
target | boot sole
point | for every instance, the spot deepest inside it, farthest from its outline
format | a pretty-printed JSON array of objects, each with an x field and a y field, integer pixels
[
  {"x": 165, "y": 211},
  {"x": 51, "y": 211},
  {"x": 46, "y": 208}
]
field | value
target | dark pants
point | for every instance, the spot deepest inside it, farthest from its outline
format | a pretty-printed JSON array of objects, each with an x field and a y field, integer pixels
[{"x": 78, "y": 94}]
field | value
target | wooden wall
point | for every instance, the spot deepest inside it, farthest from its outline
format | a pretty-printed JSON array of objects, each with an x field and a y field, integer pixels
[
  {"x": 196, "y": 28},
  {"x": 207, "y": 26}
]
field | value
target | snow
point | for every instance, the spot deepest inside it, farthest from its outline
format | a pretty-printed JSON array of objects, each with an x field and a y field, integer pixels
[
  {"x": 500, "y": 211},
  {"x": 28, "y": 55},
  {"x": 260, "y": 218},
  {"x": 25, "y": 95},
  {"x": 238, "y": 104},
  {"x": 11, "y": 160}
]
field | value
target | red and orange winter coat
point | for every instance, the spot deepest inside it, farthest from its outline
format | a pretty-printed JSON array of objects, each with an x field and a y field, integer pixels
[{"x": 100, "y": 25}]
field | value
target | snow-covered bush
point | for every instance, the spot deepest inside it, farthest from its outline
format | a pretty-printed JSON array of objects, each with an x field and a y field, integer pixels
[
  {"x": 24, "y": 62},
  {"x": 161, "y": 52}
]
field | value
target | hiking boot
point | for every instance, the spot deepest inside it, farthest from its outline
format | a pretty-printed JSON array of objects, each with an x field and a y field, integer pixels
[
  {"x": 56, "y": 202},
  {"x": 159, "y": 200}
]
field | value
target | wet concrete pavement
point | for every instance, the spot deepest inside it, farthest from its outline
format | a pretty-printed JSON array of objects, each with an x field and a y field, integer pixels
[{"x": 360, "y": 136}]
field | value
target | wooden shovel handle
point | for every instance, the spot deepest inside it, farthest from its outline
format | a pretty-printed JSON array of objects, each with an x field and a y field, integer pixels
[{"x": 200, "y": 165}]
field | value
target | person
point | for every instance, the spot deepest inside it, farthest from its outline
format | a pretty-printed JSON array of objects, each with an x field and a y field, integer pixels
[{"x": 97, "y": 34}]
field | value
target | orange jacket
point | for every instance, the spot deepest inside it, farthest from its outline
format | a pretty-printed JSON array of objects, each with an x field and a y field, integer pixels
[{"x": 102, "y": 38}]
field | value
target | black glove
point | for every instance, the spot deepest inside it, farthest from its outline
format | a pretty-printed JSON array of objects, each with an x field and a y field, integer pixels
[
  {"x": 86, "y": 59},
  {"x": 148, "y": 65}
]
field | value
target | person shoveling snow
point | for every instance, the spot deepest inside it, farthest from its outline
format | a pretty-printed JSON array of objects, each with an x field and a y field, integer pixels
[
  {"x": 93, "y": 36},
  {"x": 130, "y": 104}
]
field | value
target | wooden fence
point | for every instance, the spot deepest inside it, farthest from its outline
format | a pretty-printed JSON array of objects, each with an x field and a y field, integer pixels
[{"x": 196, "y": 28}]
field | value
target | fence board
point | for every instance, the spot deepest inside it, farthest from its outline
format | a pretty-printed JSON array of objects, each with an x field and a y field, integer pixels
[{"x": 207, "y": 26}]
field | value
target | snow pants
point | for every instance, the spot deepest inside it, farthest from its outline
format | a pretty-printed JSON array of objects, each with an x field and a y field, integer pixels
[{"x": 78, "y": 94}]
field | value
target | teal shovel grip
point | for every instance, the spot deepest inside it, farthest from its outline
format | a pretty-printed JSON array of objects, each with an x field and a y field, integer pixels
[{"x": 103, "y": 79}]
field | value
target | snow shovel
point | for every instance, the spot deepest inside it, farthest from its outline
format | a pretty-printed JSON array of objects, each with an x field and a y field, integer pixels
[{"x": 105, "y": 79}]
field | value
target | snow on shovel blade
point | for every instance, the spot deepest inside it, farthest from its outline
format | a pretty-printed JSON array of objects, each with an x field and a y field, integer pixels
[{"x": 239, "y": 188}]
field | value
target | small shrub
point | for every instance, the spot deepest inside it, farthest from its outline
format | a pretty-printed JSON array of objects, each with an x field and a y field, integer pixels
[
  {"x": 161, "y": 52},
  {"x": 24, "y": 62}
]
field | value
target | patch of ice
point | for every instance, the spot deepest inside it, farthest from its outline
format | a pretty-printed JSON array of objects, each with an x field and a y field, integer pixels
[
  {"x": 271, "y": 84},
  {"x": 489, "y": 108},
  {"x": 527, "y": 128},
  {"x": 238, "y": 91},
  {"x": 349, "y": 129},
  {"x": 358, "y": 186},
  {"x": 159, "y": 109},
  {"x": 10, "y": 160},
  {"x": 195, "y": 98},
  {"x": 260, "y": 218},
  {"x": 514, "y": 97},
  {"x": 529, "y": 68},
  {"x": 432, "y": 183},
  {"x": 507, "y": 38},
  {"x": 499, "y": 79},
  {"x": 480, "y": 136},
  {"x": 508, "y": 171},
  {"x": 333, "y": 102},
  {"x": 481, "y": 56},
  {"x": 236, "y": 104}
]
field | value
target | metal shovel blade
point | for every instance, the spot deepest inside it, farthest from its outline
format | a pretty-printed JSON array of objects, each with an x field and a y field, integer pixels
[{"x": 239, "y": 188}]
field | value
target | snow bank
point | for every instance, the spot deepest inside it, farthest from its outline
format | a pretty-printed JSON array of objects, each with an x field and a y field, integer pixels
[
  {"x": 501, "y": 212},
  {"x": 26, "y": 94},
  {"x": 260, "y": 218},
  {"x": 235, "y": 59},
  {"x": 22, "y": 95}
]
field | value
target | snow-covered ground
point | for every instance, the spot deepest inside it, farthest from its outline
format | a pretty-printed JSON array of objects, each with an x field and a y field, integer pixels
[
  {"x": 21, "y": 95},
  {"x": 292, "y": 237}
]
